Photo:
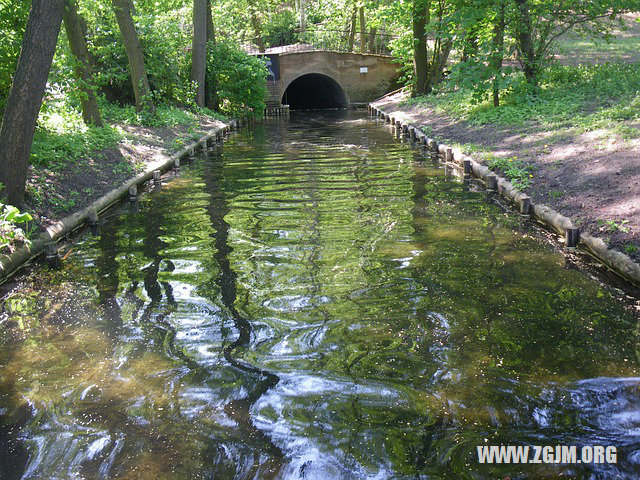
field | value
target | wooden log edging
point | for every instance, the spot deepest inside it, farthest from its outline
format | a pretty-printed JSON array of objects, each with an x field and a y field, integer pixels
[
  {"x": 616, "y": 261},
  {"x": 9, "y": 264}
]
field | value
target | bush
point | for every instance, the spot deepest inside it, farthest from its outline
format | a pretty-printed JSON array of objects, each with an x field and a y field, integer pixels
[
  {"x": 281, "y": 29},
  {"x": 239, "y": 79},
  {"x": 13, "y": 19}
]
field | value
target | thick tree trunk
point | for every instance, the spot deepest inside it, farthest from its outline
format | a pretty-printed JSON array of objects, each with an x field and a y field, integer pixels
[
  {"x": 420, "y": 14},
  {"x": 76, "y": 34},
  {"x": 199, "y": 50},
  {"x": 526, "y": 46},
  {"x": 139, "y": 80},
  {"x": 352, "y": 30},
  {"x": 497, "y": 54},
  {"x": 25, "y": 97},
  {"x": 363, "y": 32}
]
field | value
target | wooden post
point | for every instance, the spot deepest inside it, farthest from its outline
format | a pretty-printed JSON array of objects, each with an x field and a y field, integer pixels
[
  {"x": 448, "y": 155},
  {"x": 192, "y": 153},
  {"x": 525, "y": 205},
  {"x": 467, "y": 166},
  {"x": 51, "y": 250},
  {"x": 492, "y": 183},
  {"x": 571, "y": 237},
  {"x": 133, "y": 193},
  {"x": 93, "y": 217},
  {"x": 448, "y": 170},
  {"x": 413, "y": 133},
  {"x": 157, "y": 177}
]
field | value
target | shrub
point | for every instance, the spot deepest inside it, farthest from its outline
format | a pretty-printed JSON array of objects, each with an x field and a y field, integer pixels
[
  {"x": 281, "y": 29},
  {"x": 239, "y": 79}
]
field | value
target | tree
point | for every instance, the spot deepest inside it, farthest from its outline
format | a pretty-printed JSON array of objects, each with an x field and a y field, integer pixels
[
  {"x": 363, "y": 31},
  {"x": 352, "y": 29},
  {"x": 76, "y": 33},
  {"x": 199, "y": 49},
  {"x": 139, "y": 80},
  {"x": 420, "y": 17},
  {"x": 26, "y": 94},
  {"x": 497, "y": 51},
  {"x": 538, "y": 24}
]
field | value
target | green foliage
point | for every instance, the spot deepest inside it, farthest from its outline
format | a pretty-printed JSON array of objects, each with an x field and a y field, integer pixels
[
  {"x": 165, "y": 116},
  {"x": 612, "y": 226},
  {"x": 280, "y": 29},
  {"x": 165, "y": 42},
  {"x": 62, "y": 138},
  {"x": 239, "y": 79},
  {"x": 10, "y": 232},
  {"x": 518, "y": 172},
  {"x": 13, "y": 19},
  {"x": 586, "y": 97}
]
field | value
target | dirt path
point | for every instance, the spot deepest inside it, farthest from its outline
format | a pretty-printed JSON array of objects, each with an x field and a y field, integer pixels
[{"x": 589, "y": 177}]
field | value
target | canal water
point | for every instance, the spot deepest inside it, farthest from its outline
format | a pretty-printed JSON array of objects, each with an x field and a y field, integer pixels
[{"x": 313, "y": 300}]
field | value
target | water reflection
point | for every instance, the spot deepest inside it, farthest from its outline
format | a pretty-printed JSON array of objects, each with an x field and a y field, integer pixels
[{"x": 314, "y": 300}]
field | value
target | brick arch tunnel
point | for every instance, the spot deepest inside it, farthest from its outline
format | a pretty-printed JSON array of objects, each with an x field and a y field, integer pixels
[{"x": 314, "y": 91}]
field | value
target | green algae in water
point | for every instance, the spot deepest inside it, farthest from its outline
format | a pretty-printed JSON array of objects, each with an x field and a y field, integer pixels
[{"x": 313, "y": 300}]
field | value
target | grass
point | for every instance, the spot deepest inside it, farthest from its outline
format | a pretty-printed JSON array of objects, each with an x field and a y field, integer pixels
[
  {"x": 62, "y": 138},
  {"x": 64, "y": 146},
  {"x": 586, "y": 97},
  {"x": 518, "y": 172}
]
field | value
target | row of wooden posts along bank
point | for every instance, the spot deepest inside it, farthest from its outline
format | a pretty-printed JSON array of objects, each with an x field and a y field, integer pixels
[
  {"x": 48, "y": 241},
  {"x": 620, "y": 263}
]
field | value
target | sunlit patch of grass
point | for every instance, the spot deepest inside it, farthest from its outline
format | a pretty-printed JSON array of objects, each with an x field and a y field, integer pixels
[{"x": 62, "y": 138}]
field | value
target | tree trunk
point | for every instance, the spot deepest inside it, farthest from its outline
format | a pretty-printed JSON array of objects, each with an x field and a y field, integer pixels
[
  {"x": 363, "y": 32},
  {"x": 25, "y": 96},
  {"x": 257, "y": 30},
  {"x": 139, "y": 80},
  {"x": 497, "y": 54},
  {"x": 420, "y": 15},
  {"x": 372, "y": 40},
  {"x": 211, "y": 97},
  {"x": 211, "y": 33},
  {"x": 302, "y": 14},
  {"x": 352, "y": 31},
  {"x": 524, "y": 31},
  {"x": 76, "y": 34},
  {"x": 199, "y": 50}
]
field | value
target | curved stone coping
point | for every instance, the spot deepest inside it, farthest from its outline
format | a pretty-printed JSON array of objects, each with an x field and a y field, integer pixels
[
  {"x": 10, "y": 263},
  {"x": 620, "y": 263}
]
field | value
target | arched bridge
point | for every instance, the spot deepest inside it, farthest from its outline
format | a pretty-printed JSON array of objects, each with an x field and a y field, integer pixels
[{"x": 327, "y": 79}]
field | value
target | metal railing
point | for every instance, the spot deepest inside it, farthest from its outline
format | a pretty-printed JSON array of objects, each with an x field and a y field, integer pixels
[{"x": 319, "y": 38}]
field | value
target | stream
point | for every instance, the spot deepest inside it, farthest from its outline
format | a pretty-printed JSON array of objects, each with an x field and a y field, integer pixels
[{"x": 314, "y": 299}]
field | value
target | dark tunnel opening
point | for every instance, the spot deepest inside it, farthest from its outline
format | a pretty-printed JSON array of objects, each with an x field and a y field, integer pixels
[{"x": 314, "y": 91}]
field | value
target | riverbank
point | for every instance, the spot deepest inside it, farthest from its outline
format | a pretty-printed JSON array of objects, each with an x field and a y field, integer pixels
[
  {"x": 153, "y": 148},
  {"x": 73, "y": 165},
  {"x": 590, "y": 175}
]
